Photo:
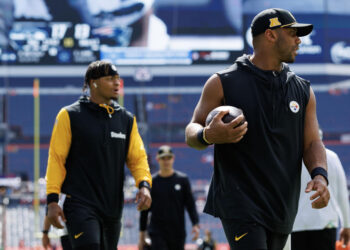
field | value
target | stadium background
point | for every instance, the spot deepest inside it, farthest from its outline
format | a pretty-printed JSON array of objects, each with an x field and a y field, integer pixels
[{"x": 161, "y": 87}]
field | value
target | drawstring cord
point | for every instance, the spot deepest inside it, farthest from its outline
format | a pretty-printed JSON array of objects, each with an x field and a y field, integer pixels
[{"x": 110, "y": 110}]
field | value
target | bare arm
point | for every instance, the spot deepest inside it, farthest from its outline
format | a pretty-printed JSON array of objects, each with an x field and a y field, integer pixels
[
  {"x": 47, "y": 225},
  {"x": 142, "y": 240},
  {"x": 195, "y": 232},
  {"x": 314, "y": 151},
  {"x": 314, "y": 155},
  {"x": 217, "y": 131}
]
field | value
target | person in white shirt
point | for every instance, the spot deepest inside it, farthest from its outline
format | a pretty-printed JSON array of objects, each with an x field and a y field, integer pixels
[{"x": 317, "y": 228}]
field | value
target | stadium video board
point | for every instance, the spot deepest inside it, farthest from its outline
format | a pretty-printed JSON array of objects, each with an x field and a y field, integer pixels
[{"x": 127, "y": 32}]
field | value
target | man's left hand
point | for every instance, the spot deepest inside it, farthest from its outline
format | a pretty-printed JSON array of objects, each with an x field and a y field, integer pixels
[
  {"x": 143, "y": 199},
  {"x": 321, "y": 196},
  {"x": 345, "y": 236},
  {"x": 195, "y": 232},
  {"x": 46, "y": 241}
]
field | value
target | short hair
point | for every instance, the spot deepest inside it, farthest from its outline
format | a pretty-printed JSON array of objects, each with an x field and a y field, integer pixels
[{"x": 98, "y": 69}]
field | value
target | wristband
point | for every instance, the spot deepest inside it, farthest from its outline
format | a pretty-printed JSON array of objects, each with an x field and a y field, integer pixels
[
  {"x": 201, "y": 139},
  {"x": 319, "y": 171},
  {"x": 205, "y": 137},
  {"x": 51, "y": 198},
  {"x": 145, "y": 184},
  {"x": 45, "y": 231}
]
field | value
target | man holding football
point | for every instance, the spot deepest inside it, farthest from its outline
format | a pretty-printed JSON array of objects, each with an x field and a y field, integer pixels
[{"x": 256, "y": 181}]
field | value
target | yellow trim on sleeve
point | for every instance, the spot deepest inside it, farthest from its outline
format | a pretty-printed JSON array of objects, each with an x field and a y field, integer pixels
[
  {"x": 137, "y": 158},
  {"x": 60, "y": 143}
]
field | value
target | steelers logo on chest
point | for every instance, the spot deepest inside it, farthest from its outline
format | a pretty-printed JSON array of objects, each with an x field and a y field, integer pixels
[
  {"x": 177, "y": 187},
  {"x": 294, "y": 106}
]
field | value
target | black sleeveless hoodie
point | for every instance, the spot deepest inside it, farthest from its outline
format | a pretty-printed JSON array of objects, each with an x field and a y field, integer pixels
[{"x": 258, "y": 178}]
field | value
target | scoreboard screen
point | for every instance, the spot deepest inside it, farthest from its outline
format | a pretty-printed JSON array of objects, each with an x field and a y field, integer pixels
[
  {"x": 52, "y": 43},
  {"x": 127, "y": 32}
]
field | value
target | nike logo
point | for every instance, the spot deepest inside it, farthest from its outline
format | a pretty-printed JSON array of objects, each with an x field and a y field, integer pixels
[
  {"x": 240, "y": 237},
  {"x": 76, "y": 236}
]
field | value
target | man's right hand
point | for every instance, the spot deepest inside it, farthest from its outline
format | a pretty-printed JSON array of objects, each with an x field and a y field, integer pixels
[
  {"x": 219, "y": 132},
  {"x": 54, "y": 213},
  {"x": 143, "y": 199},
  {"x": 321, "y": 196}
]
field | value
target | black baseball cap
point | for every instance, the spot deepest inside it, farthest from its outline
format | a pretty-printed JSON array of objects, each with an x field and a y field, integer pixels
[
  {"x": 164, "y": 150},
  {"x": 278, "y": 18}
]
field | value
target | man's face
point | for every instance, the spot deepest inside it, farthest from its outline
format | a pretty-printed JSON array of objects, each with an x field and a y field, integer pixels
[
  {"x": 107, "y": 88},
  {"x": 166, "y": 162},
  {"x": 287, "y": 44}
]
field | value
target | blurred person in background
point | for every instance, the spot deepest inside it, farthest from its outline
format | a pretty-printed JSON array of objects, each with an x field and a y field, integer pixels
[
  {"x": 4, "y": 200},
  {"x": 208, "y": 243},
  {"x": 317, "y": 229},
  {"x": 91, "y": 141},
  {"x": 171, "y": 195}
]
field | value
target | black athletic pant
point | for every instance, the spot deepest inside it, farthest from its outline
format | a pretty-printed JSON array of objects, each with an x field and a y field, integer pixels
[
  {"x": 159, "y": 242},
  {"x": 88, "y": 230},
  {"x": 65, "y": 243},
  {"x": 314, "y": 239},
  {"x": 252, "y": 236}
]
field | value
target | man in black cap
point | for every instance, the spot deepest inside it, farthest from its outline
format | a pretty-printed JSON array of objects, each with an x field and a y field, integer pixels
[
  {"x": 256, "y": 181},
  {"x": 91, "y": 141},
  {"x": 171, "y": 194}
]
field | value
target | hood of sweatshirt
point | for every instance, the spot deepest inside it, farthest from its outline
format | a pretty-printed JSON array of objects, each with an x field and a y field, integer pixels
[
  {"x": 285, "y": 74},
  {"x": 277, "y": 82},
  {"x": 109, "y": 108}
]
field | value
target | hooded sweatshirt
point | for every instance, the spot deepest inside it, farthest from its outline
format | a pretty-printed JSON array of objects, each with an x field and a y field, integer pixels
[
  {"x": 258, "y": 178},
  {"x": 89, "y": 147}
]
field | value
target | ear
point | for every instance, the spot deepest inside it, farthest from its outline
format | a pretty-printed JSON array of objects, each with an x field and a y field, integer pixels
[
  {"x": 93, "y": 84},
  {"x": 90, "y": 83},
  {"x": 271, "y": 35}
]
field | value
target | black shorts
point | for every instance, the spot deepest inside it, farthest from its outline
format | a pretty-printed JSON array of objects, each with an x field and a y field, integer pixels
[
  {"x": 160, "y": 242},
  {"x": 252, "y": 236},
  {"x": 65, "y": 243},
  {"x": 85, "y": 226}
]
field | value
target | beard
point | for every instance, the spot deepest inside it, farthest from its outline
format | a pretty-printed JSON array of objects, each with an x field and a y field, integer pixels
[
  {"x": 289, "y": 59},
  {"x": 286, "y": 54}
]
